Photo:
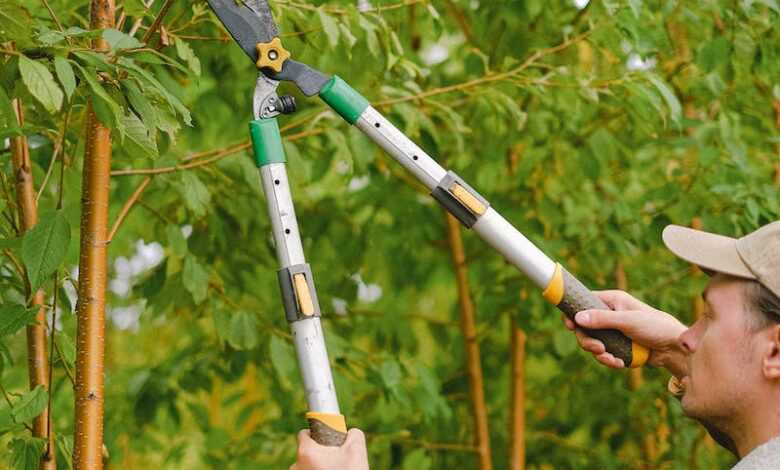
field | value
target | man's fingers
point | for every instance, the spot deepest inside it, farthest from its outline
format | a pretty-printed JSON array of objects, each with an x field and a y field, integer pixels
[
  {"x": 610, "y": 361},
  {"x": 623, "y": 320},
  {"x": 355, "y": 436},
  {"x": 569, "y": 324},
  {"x": 589, "y": 344}
]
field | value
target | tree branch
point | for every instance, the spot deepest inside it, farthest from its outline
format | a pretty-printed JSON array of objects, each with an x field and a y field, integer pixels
[{"x": 127, "y": 206}]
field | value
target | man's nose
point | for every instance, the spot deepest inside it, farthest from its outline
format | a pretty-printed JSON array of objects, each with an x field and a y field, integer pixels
[{"x": 687, "y": 340}]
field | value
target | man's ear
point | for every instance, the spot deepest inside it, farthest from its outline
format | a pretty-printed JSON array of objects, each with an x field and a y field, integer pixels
[{"x": 771, "y": 365}]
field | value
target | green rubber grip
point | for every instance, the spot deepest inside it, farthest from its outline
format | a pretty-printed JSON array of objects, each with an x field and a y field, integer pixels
[
  {"x": 266, "y": 142},
  {"x": 344, "y": 99}
]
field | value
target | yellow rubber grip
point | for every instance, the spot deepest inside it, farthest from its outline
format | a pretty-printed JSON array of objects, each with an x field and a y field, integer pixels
[
  {"x": 335, "y": 422},
  {"x": 554, "y": 290},
  {"x": 639, "y": 355}
]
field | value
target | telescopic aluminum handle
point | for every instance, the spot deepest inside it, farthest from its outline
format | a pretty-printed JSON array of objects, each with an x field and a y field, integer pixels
[
  {"x": 299, "y": 296},
  {"x": 560, "y": 287}
]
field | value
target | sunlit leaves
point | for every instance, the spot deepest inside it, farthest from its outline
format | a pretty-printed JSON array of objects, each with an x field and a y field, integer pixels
[
  {"x": 195, "y": 279},
  {"x": 118, "y": 40},
  {"x": 40, "y": 82}
]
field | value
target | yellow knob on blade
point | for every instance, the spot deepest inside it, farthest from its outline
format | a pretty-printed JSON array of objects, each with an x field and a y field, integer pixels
[{"x": 271, "y": 55}]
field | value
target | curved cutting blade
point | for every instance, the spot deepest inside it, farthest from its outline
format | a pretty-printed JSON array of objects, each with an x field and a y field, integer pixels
[{"x": 248, "y": 21}]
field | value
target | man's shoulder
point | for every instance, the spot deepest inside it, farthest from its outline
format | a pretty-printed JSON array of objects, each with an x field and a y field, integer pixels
[{"x": 764, "y": 457}]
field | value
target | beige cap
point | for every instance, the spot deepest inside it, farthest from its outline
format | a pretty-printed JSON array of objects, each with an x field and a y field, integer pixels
[{"x": 755, "y": 256}]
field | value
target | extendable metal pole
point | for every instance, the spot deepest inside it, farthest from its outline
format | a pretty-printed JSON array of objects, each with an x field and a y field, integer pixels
[
  {"x": 299, "y": 296},
  {"x": 559, "y": 287}
]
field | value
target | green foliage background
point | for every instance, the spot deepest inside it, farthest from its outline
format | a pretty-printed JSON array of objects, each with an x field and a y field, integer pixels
[{"x": 588, "y": 158}]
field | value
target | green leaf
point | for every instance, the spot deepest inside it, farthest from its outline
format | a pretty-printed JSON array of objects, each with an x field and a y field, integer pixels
[
  {"x": 14, "y": 22},
  {"x": 26, "y": 452},
  {"x": 44, "y": 247},
  {"x": 30, "y": 405},
  {"x": 417, "y": 460},
  {"x": 176, "y": 240},
  {"x": 174, "y": 102},
  {"x": 243, "y": 331},
  {"x": 140, "y": 104},
  {"x": 330, "y": 26},
  {"x": 106, "y": 109},
  {"x": 282, "y": 357},
  {"x": 196, "y": 194},
  {"x": 675, "y": 109},
  {"x": 41, "y": 84},
  {"x": 8, "y": 124},
  {"x": 195, "y": 279},
  {"x": 185, "y": 53},
  {"x": 65, "y": 451},
  {"x": 118, "y": 40},
  {"x": 66, "y": 346},
  {"x": 65, "y": 75},
  {"x": 13, "y": 317},
  {"x": 138, "y": 139}
]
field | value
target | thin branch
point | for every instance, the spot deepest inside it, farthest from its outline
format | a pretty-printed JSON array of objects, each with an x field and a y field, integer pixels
[
  {"x": 58, "y": 149},
  {"x": 126, "y": 208},
  {"x": 530, "y": 61},
  {"x": 157, "y": 21},
  {"x": 54, "y": 17},
  {"x": 215, "y": 155},
  {"x": 65, "y": 366},
  {"x": 341, "y": 11}
]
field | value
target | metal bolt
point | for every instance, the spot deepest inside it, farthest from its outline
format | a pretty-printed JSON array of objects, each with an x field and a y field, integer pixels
[{"x": 273, "y": 55}]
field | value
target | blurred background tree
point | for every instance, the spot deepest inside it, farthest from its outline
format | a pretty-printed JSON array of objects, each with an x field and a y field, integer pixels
[{"x": 590, "y": 126}]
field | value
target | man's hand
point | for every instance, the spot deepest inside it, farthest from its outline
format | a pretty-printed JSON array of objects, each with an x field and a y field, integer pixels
[
  {"x": 352, "y": 455},
  {"x": 652, "y": 328}
]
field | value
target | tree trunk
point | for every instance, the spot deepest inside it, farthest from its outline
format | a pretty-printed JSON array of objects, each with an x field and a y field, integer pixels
[
  {"x": 37, "y": 359},
  {"x": 90, "y": 336},
  {"x": 517, "y": 420},
  {"x": 469, "y": 329}
]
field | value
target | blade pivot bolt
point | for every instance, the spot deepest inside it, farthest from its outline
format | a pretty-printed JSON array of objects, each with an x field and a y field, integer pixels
[{"x": 271, "y": 55}]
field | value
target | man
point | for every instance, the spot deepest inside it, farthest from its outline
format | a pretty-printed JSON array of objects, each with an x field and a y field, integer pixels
[{"x": 725, "y": 368}]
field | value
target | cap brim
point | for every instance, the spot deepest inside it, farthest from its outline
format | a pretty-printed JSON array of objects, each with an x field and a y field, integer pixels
[{"x": 709, "y": 251}]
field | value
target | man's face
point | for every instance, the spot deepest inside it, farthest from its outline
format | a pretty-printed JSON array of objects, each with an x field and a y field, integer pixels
[{"x": 721, "y": 372}]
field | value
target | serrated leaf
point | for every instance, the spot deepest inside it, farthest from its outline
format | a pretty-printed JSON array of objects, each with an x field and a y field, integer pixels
[
  {"x": 196, "y": 194},
  {"x": 65, "y": 75},
  {"x": 106, "y": 109},
  {"x": 173, "y": 102},
  {"x": 330, "y": 26},
  {"x": 195, "y": 279},
  {"x": 675, "y": 109},
  {"x": 138, "y": 138},
  {"x": 140, "y": 104},
  {"x": 40, "y": 82},
  {"x": 65, "y": 450},
  {"x": 243, "y": 331},
  {"x": 44, "y": 247},
  {"x": 185, "y": 53},
  {"x": 14, "y": 317},
  {"x": 118, "y": 40},
  {"x": 26, "y": 452},
  {"x": 30, "y": 405}
]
